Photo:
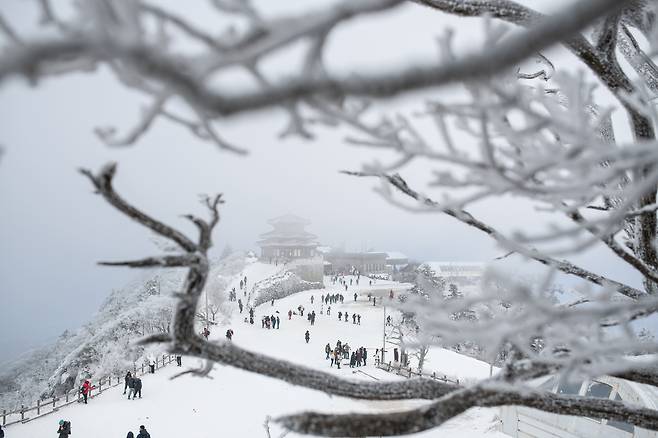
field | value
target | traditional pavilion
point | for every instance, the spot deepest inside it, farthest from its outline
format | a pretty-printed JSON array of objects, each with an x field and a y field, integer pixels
[{"x": 288, "y": 240}]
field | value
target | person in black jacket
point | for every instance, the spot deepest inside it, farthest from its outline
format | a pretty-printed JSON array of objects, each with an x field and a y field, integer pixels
[
  {"x": 143, "y": 433},
  {"x": 64, "y": 429},
  {"x": 138, "y": 387},
  {"x": 126, "y": 380},
  {"x": 2, "y": 432},
  {"x": 131, "y": 387},
  {"x": 130, "y": 435}
]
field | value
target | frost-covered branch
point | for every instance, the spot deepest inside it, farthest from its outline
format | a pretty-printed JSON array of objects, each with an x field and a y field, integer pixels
[{"x": 453, "y": 404}]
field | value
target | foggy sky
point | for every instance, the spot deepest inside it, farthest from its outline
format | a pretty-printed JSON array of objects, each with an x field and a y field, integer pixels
[{"x": 53, "y": 229}]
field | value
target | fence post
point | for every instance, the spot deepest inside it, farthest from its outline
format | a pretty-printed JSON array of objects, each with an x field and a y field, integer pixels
[
  {"x": 100, "y": 385},
  {"x": 410, "y": 372},
  {"x": 38, "y": 407},
  {"x": 67, "y": 396},
  {"x": 4, "y": 417},
  {"x": 22, "y": 412},
  {"x": 54, "y": 400},
  {"x": 142, "y": 368}
]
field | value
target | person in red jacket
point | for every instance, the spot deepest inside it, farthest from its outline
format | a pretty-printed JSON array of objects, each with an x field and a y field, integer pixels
[{"x": 86, "y": 389}]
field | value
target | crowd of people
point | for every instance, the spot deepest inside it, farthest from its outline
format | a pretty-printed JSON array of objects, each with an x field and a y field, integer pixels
[{"x": 342, "y": 352}]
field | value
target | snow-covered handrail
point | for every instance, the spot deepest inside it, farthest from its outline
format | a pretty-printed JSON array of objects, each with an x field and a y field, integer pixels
[{"x": 52, "y": 404}]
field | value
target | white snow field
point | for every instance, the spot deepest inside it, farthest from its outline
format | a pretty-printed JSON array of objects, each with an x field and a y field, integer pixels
[{"x": 234, "y": 403}]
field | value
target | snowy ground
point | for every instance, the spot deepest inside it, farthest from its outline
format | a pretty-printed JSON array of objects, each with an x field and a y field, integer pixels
[{"x": 234, "y": 403}]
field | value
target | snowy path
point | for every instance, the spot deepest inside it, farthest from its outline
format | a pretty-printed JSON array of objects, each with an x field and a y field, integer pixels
[{"x": 235, "y": 403}]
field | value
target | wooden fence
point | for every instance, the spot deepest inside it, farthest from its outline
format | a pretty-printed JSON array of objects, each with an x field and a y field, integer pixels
[
  {"x": 53, "y": 404},
  {"x": 408, "y": 372}
]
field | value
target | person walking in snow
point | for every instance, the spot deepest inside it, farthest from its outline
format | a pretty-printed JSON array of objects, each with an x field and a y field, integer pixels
[
  {"x": 240, "y": 284},
  {"x": 354, "y": 296},
  {"x": 251, "y": 312},
  {"x": 131, "y": 387},
  {"x": 365, "y": 355},
  {"x": 278, "y": 322},
  {"x": 64, "y": 429},
  {"x": 337, "y": 358},
  {"x": 353, "y": 318},
  {"x": 345, "y": 287},
  {"x": 205, "y": 333},
  {"x": 329, "y": 311},
  {"x": 152, "y": 364},
  {"x": 2, "y": 432},
  {"x": 289, "y": 315},
  {"x": 240, "y": 305},
  {"x": 327, "y": 349},
  {"x": 126, "y": 380},
  {"x": 312, "y": 298},
  {"x": 130, "y": 435},
  {"x": 307, "y": 336},
  {"x": 179, "y": 361},
  {"x": 345, "y": 316},
  {"x": 229, "y": 334},
  {"x": 86, "y": 390},
  {"x": 358, "y": 319},
  {"x": 143, "y": 433},
  {"x": 340, "y": 316},
  {"x": 138, "y": 388},
  {"x": 272, "y": 301}
]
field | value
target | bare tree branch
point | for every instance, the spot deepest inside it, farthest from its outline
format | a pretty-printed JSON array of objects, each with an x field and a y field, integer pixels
[{"x": 453, "y": 404}]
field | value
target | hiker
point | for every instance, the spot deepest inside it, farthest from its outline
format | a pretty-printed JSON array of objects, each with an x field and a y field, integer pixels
[
  {"x": 340, "y": 316},
  {"x": 64, "y": 429},
  {"x": 251, "y": 312},
  {"x": 143, "y": 433},
  {"x": 354, "y": 296},
  {"x": 240, "y": 305},
  {"x": 131, "y": 387},
  {"x": 205, "y": 332},
  {"x": 331, "y": 355},
  {"x": 272, "y": 301},
  {"x": 152, "y": 364},
  {"x": 179, "y": 361},
  {"x": 337, "y": 358},
  {"x": 353, "y": 318},
  {"x": 352, "y": 360},
  {"x": 126, "y": 380},
  {"x": 307, "y": 336},
  {"x": 86, "y": 390},
  {"x": 358, "y": 319},
  {"x": 130, "y": 435},
  {"x": 137, "y": 387},
  {"x": 240, "y": 284},
  {"x": 289, "y": 315},
  {"x": 329, "y": 311},
  {"x": 365, "y": 355},
  {"x": 327, "y": 349},
  {"x": 278, "y": 322},
  {"x": 388, "y": 320},
  {"x": 390, "y": 295},
  {"x": 312, "y": 298},
  {"x": 345, "y": 316},
  {"x": 229, "y": 334}
]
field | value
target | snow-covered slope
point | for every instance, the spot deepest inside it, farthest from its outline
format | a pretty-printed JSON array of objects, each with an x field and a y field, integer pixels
[{"x": 234, "y": 403}]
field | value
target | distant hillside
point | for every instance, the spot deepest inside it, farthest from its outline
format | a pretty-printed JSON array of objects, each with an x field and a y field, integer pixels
[{"x": 104, "y": 344}]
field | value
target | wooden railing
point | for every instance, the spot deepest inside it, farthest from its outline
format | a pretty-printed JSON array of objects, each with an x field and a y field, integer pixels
[
  {"x": 408, "y": 372},
  {"x": 53, "y": 404}
]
